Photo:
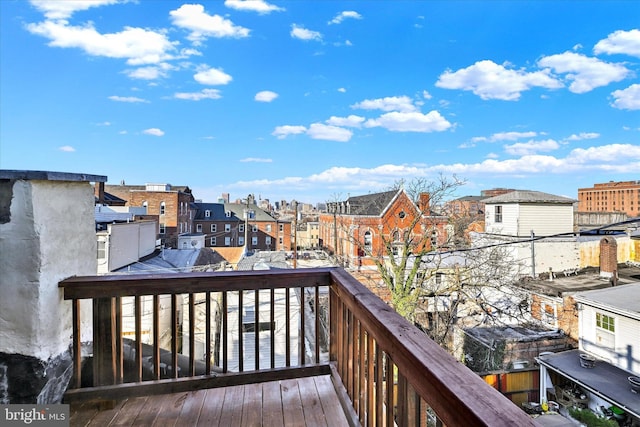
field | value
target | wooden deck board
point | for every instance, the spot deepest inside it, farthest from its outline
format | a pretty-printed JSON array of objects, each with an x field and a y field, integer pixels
[{"x": 305, "y": 402}]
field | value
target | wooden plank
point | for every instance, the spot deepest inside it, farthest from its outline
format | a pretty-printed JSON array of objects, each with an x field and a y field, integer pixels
[
  {"x": 192, "y": 334},
  {"x": 232, "y": 406},
  {"x": 190, "y": 412},
  {"x": 129, "y": 411},
  {"x": 316, "y": 312},
  {"x": 252, "y": 405},
  {"x": 156, "y": 337},
  {"x": 272, "y": 411},
  {"x": 150, "y": 410},
  {"x": 272, "y": 332},
  {"x": 211, "y": 410},
  {"x": 104, "y": 417},
  {"x": 333, "y": 413},
  {"x": 82, "y": 414},
  {"x": 165, "y": 386},
  {"x": 287, "y": 327},
  {"x": 225, "y": 356},
  {"x": 207, "y": 329},
  {"x": 293, "y": 415},
  {"x": 138, "y": 335},
  {"x": 171, "y": 407},
  {"x": 311, "y": 406},
  {"x": 301, "y": 336},
  {"x": 174, "y": 336},
  {"x": 76, "y": 345},
  {"x": 83, "y": 287},
  {"x": 104, "y": 364},
  {"x": 240, "y": 337},
  {"x": 256, "y": 329}
]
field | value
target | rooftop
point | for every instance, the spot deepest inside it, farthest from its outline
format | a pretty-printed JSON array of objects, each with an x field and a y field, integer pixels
[{"x": 528, "y": 196}]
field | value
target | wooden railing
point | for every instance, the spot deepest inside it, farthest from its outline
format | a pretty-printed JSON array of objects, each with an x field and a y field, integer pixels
[{"x": 392, "y": 373}]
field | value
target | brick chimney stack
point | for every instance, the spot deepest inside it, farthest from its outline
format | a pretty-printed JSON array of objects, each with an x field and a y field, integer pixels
[{"x": 609, "y": 259}]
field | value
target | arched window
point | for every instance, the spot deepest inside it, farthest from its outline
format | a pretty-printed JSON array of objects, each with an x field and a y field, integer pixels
[
  {"x": 162, "y": 208},
  {"x": 367, "y": 240}
]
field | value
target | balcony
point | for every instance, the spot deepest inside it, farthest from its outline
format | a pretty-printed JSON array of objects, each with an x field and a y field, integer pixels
[{"x": 294, "y": 347}]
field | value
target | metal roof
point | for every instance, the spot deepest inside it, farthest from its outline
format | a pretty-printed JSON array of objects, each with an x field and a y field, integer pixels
[
  {"x": 528, "y": 196},
  {"x": 370, "y": 204}
]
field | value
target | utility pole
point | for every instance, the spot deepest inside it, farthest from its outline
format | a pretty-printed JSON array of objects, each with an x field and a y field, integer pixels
[{"x": 533, "y": 255}]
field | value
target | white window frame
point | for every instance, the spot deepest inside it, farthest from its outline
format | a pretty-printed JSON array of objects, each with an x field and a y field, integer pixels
[
  {"x": 227, "y": 228},
  {"x": 214, "y": 228},
  {"x": 163, "y": 208},
  {"x": 212, "y": 241},
  {"x": 227, "y": 241},
  {"x": 240, "y": 240},
  {"x": 207, "y": 213},
  {"x": 199, "y": 228},
  {"x": 163, "y": 228},
  {"x": 254, "y": 241},
  {"x": 241, "y": 228},
  {"x": 254, "y": 228}
]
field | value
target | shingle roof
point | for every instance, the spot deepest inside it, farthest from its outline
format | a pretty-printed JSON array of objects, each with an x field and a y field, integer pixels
[
  {"x": 218, "y": 212},
  {"x": 370, "y": 204},
  {"x": 527, "y": 196}
]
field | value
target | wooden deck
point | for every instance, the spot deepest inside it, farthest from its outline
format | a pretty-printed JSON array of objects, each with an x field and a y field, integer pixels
[{"x": 310, "y": 401}]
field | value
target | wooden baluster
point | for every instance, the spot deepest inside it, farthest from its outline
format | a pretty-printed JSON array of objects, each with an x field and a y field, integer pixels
[
  {"x": 316, "y": 309},
  {"x": 379, "y": 390},
  {"x": 272, "y": 329},
  {"x": 301, "y": 333},
  {"x": 156, "y": 337},
  {"x": 333, "y": 325},
  {"x": 287, "y": 334},
  {"x": 138, "y": 337},
  {"x": 192, "y": 335},
  {"x": 240, "y": 336},
  {"x": 119, "y": 347},
  {"x": 207, "y": 329},
  {"x": 174, "y": 336},
  {"x": 225, "y": 359},
  {"x": 361, "y": 372},
  {"x": 104, "y": 363},
  {"x": 389, "y": 397},
  {"x": 370, "y": 381},
  {"x": 402, "y": 400},
  {"x": 256, "y": 326},
  {"x": 77, "y": 344}
]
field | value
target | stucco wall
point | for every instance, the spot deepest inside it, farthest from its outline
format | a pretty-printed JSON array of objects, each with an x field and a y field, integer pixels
[{"x": 50, "y": 236}]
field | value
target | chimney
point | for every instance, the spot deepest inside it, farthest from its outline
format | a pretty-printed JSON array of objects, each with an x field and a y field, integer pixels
[
  {"x": 609, "y": 259},
  {"x": 424, "y": 202}
]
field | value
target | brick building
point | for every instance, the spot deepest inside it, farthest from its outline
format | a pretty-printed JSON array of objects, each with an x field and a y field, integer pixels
[
  {"x": 170, "y": 203},
  {"x": 237, "y": 225},
  {"x": 356, "y": 229},
  {"x": 620, "y": 196}
]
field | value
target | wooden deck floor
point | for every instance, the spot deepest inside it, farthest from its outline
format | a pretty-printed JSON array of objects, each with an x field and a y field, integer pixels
[{"x": 310, "y": 401}]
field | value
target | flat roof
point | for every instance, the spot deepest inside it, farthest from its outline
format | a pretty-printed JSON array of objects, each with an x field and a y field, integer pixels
[
  {"x": 624, "y": 299},
  {"x": 50, "y": 176},
  {"x": 604, "y": 380}
]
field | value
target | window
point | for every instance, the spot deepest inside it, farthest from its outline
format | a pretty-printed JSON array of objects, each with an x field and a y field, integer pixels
[
  {"x": 102, "y": 249},
  {"x": 207, "y": 213},
  {"x": 434, "y": 238},
  {"x": 214, "y": 228},
  {"x": 401, "y": 214},
  {"x": 241, "y": 228},
  {"x": 281, "y": 227},
  {"x": 199, "y": 228},
  {"x": 254, "y": 228},
  {"x": 227, "y": 214},
  {"x": 367, "y": 241},
  {"x": 163, "y": 228},
  {"x": 241, "y": 240},
  {"x": 262, "y": 326},
  {"x": 227, "y": 241},
  {"x": 227, "y": 228},
  {"x": 498, "y": 214},
  {"x": 267, "y": 240},
  {"x": 181, "y": 228},
  {"x": 605, "y": 322},
  {"x": 162, "y": 208},
  {"x": 268, "y": 228},
  {"x": 254, "y": 240},
  {"x": 213, "y": 241}
]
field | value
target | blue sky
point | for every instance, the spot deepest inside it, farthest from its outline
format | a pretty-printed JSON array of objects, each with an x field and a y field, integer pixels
[{"x": 315, "y": 100}]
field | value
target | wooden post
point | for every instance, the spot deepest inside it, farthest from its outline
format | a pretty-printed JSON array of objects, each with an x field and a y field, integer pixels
[{"x": 104, "y": 340}]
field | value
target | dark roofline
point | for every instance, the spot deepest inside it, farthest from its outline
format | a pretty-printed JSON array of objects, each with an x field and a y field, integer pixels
[{"x": 28, "y": 175}]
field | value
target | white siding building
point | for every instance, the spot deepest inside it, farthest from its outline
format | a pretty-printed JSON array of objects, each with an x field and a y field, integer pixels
[
  {"x": 523, "y": 216},
  {"x": 122, "y": 244}
]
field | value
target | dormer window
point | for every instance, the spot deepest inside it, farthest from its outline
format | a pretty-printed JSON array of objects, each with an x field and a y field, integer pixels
[
  {"x": 228, "y": 214},
  {"x": 207, "y": 213}
]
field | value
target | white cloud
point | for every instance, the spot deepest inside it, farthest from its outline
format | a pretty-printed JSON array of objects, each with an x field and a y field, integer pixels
[
  {"x": 613, "y": 153},
  {"x": 302, "y": 33},
  {"x": 212, "y": 77},
  {"x": 411, "y": 122},
  {"x": 328, "y": 132},
  {"x": 67, "y": 149},
  {"x": 352, "y": 121},
  {"x": 281, "y": 132},
  {"x": 584, "y": 73},
  {"x": 623, "y": 42},
  {"x": 342, "y": 90},
  {"x": 489, "y": 80},
  {"x": 426, "y": 95},
  {"x": 256, "y": 160},
  {"x": 583, "y": 135},
  {"x": 531, "y": 147},
  {"x": 131, "y": 99},
  {"x": 390, "y": 103},
  {"x": 153, "y": 131},
  {"x": 198, "y": 96},
  {"x": 265, "y": 96},
  {"x": 138, "y": 46},
  {"x": 627, "y": 99},
  {"x": 504, "y": 136},
  {"x": 56, "y": 9},
  {"x": 193, "y": 17},
  {"x": 148, "y": 73},
  {"x": 347, "y": 14},
  {"x": 260, "y": 6}
]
